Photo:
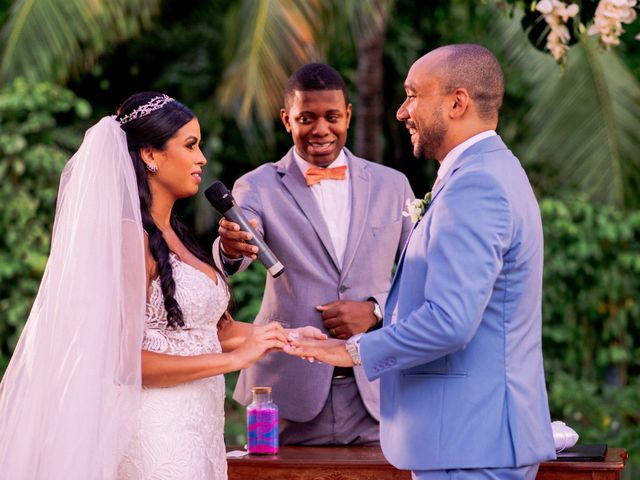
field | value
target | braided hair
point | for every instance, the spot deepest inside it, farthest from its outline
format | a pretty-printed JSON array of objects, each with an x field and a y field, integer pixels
[{"x": 154, "y": 130}]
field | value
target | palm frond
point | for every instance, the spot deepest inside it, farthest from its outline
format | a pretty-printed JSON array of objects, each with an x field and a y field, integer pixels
[
  {"x": 274, "y": 38},
  {"x": 51, "y": 39},
  {"x": 583, "y": 120},
  {"x": 364, "y": 18}
]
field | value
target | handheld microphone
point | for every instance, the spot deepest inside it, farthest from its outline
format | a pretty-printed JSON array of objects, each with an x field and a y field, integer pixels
[{"x": 221, "y": 199}]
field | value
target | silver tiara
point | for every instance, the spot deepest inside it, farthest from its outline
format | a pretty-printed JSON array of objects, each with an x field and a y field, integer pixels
[{"x": 152, "y": 105}]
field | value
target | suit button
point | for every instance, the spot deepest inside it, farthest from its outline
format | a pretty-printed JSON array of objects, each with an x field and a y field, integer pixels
[{"x": 343, "y": 288}]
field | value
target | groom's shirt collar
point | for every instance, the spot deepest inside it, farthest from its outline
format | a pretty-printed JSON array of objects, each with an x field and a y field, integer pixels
[{"x": 456, "y": 151}]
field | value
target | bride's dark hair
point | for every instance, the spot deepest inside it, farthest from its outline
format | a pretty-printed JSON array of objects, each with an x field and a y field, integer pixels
[{"x": 154, "y": 130}]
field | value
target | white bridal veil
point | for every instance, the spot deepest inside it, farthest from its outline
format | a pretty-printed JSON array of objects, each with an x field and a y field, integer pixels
[{"x": 69, "y": 397}]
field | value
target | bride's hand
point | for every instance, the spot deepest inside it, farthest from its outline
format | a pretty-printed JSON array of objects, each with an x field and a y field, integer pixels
[{"x": 260, "y": 341}]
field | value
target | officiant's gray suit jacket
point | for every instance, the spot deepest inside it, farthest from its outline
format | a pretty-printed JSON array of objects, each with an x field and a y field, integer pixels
[{"x": 292, "y": 225}]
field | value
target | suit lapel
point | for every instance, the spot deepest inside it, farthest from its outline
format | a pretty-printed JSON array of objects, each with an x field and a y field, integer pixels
[
  {"x": 489, "y": 144},
  {"x": 392, "y": 297},
  {"x": 293, "y": 180},
  {"x": 360, "y": 187}
]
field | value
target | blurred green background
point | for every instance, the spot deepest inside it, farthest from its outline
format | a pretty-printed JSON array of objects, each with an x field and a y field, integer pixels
[{"x": 574, "y": 125}]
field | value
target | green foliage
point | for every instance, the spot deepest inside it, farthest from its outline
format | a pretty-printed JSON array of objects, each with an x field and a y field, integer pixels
[
  {"x": 592, "y": 279},
  {"x": 31, "y": 160},
  {"x": 569, "y": 126},
  {"x": 248, "y": 287},
  {"x": 270, "y": 39},
  {"x": 49, "y": 39},
  {"x": 591, "y": 315},
  {"x": 595, "y": 99},
  {"x": 599, "y": 413}
]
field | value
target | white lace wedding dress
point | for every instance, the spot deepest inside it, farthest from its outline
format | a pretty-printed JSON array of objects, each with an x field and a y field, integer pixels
[{"x": 180, "y": 431}]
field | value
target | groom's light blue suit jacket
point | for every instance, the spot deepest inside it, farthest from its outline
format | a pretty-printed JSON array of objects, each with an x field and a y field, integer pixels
[{"x": 460, "y": 359}]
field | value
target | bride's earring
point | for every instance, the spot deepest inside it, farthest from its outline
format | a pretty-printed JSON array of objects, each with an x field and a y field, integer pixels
[{"x": 152, "y": 167}]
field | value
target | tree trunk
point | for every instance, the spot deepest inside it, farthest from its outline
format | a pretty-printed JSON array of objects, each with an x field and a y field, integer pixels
[{"x": 369, "y": 81}]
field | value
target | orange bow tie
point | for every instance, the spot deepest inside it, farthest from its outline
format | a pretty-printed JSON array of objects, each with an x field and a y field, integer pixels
[{"x": 315, "y": 175}]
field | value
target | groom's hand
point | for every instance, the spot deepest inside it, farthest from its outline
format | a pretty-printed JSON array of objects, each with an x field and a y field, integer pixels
[
  {"x": 343, "y": 318},
  {"x": 305, "y": 333},
  {"x": 329, "y": 351}
]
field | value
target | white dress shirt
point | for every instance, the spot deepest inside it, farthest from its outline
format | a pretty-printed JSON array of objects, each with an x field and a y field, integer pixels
[{"x": 334, "y": 201}]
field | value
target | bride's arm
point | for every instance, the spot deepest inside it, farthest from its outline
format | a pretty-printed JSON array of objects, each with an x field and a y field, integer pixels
[
  {"x": 249, "y": 344},
  {"x": 232, "y": 333},
  {"x": 162, "y": 370}
]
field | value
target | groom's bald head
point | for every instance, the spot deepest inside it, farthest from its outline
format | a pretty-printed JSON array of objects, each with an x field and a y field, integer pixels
[{"x": 473, "y": 68}]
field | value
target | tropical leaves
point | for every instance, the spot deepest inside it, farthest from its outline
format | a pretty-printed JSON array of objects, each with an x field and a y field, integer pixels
[
  {"x": 582, "y": 122},
  {"x": 364, "y": 18},
  {"x": 273, "y": 38},
  {"x": 580, "y": 128},
  {"x": 52, "y": 39},
  {"x": 587, "y": 122}
]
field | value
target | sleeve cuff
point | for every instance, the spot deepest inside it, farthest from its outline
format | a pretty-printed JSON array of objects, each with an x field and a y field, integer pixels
[
  {"x": 228, "y": 261},
  {"x": 377, "y": 312}
]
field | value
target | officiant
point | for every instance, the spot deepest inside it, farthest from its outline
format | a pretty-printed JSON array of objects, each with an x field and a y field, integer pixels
[{"x": 335, "y": 222}]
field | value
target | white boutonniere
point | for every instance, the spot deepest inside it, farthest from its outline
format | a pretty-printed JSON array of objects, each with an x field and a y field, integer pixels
[{"x": 417, "y": 207}]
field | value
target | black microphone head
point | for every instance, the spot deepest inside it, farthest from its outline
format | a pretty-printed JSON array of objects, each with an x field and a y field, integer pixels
[{"x": 219, "y": 196}]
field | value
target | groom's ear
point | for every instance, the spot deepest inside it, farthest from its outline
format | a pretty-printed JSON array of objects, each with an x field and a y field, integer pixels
[{"x": 459, "y": 103}]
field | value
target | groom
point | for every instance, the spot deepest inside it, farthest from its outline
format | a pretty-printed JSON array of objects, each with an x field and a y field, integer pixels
[{"x": 459, "y": 357}]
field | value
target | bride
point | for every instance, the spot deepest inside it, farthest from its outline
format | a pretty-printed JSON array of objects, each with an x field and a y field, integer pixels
[{"x": 79, "y": 400}]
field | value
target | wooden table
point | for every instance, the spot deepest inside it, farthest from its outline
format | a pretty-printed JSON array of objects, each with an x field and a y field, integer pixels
[
  {"x": 367, "y": 463},
  {"x": 609, "y": 469}
]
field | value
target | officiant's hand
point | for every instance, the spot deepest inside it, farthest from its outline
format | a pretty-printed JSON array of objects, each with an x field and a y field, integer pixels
[
  {"x": 233, "y": 241},
  {"x": 344, "y": 318},
  {"x": 331, "y": 351}
]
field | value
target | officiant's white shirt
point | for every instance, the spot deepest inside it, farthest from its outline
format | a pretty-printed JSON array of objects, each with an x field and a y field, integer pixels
[{"x": 334, "y": 201}]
